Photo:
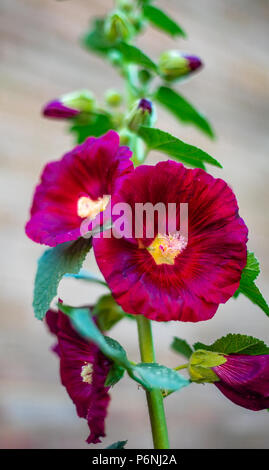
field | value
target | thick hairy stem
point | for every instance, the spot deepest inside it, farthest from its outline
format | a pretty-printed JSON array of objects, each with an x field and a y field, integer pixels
[{"x": 154, "y": 397}]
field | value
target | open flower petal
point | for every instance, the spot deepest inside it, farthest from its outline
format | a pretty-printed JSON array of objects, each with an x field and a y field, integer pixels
[
  {"x": 89, "y": 173},
  {"x": 189, "y": 280}
]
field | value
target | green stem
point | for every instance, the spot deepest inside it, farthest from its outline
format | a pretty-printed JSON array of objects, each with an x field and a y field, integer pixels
[{"x": 154, "y": 397}]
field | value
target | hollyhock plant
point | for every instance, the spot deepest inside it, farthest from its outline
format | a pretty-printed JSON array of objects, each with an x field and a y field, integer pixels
[
  {"x": 77, "y": 188},
  {"x": 166, "y": 277},
  {"x": 168, "y": 238},
  {"x": 83, "y": 370}
]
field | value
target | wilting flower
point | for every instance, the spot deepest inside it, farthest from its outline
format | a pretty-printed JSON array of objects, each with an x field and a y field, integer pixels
[
  {"x": 165, "y": 276},
  {"x": 244, "y": 379},
  {"x": 70, "y": 105},
  {"x": 77, "y": 188},
  {"x": 174, "y": 64},
  {"x": 83, "y": 370}
]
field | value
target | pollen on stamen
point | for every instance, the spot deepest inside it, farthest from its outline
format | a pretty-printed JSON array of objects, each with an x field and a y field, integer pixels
[
  {"x": 86, "y": 207},
  {"x": 86, "y": 373},
  {"x": 165, "y": 248}
]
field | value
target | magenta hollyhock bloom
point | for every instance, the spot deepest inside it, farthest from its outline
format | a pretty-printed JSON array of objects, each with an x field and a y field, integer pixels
[
  {"x": 77, "y": 188},
  {"x": 83, "y": 370},
  {"x": 57, "y": 109},
  {"x": 167, "y": 277},
  {"x": 245, "y": 380}
]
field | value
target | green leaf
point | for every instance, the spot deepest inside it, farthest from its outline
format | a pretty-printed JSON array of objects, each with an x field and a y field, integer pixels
[
  {"x": 85, "y": 275},
  {"x": 162, "y": 377},
  {"x": 96, "y": 40},
  {"x": 182, "y": 347},
  {"x": 118, "y": 445},
  {"x": 160, "y": 19},
  {"x": 183, "y": 110},
  {"x": 108, "y": 312},
  {"x": 247, "y": 285},
  {"x": 114, "y": 375},
  {"x": 252, "y": 268},
  {"x": 85, "y": 325},
  {"x": 236, "y": 344},
  {"x": 156, "y": 139},
  {"x": 52, "y": 266},
  {"x": 95, "y": 124},
  {"x": 132, "y": 54}
]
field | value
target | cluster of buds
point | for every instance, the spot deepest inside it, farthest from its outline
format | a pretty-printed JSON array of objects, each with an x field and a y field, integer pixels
[{"x": 174, "y": 64}]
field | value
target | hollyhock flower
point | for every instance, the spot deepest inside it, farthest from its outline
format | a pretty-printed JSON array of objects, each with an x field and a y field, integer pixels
[
  {"x": 70, "y": 105},
  {"x": 167, "y": 277},
  {"x": 83, "y": 370},
  {"x": 76, "y": 189},
  {"x": 245, "y": 380}
]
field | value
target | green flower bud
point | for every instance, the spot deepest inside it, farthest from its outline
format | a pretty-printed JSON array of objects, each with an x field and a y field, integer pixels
[
  {"x": 117, "y": 26},
  {"x": 126, "y": 5},
  {"x": 113, "y": 98},
  {"x": 82, "y": 100},
  {"x": 125, "y": 137},
  {"x": 141, "y": 115},
  {"x": 201, "y": 366},
  {"x": 144, "y": 76},
  {"x": 173, "y": 64}
]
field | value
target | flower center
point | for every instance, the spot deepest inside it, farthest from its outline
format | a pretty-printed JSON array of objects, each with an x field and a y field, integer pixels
[
  {"x": 165, "y": 248},
  {"x": 88, "y": 208},
  {"x": 86, "y": 373}
]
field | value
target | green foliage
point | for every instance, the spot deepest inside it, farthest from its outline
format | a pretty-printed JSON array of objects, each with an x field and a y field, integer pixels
[
  {"x": 94, "y": 124},
  {"x": 182, "y": 109},
  {"x": 52, "y": 266},
  {"x": 247, "y": 285},
  {"x": 182, "y": 347},
  {"x": 118, "y": 445},
  {"x": 162, "y": 21},
  {"x": 236, "y": 344},
  {"x": 85, "y": 275},
  {"x": 107, "y": 312},
  {"x": 115, "y": 374},
  {"x": 96, "y": 40},
  {"x": 156, "y": 139},
  {"x": 131, "y": 54},
  {"x": 148, "y": 375},
  {"x": 162, "y": 377}
]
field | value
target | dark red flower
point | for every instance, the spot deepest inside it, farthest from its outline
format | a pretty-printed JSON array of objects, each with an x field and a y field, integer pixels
[
  {"x": 245, "y": 380},
  {"x": 163, "y": 277},
  {"x": 77, "y": 188},
  {"x": 83, "y": 370}
]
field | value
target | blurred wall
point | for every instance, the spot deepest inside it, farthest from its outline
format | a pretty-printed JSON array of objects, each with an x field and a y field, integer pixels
[{"x": 41, "y": 59}]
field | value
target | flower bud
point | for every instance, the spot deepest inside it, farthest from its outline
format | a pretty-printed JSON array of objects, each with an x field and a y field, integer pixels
[
  {"x": 142, "y": 114},
  {"x": 144, "y": 76},
  {"x": 117, "y": 26},
  {"x": 173, "y": 64},
  {"x": 113, "y": 98},
  {"x": 126, "y": 5},
  {"x": 201, "y": 364},
  {"x": 70, "y": 105}
]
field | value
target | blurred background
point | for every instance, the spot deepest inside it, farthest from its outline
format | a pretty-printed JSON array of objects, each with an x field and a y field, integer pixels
[{"x": 40, "y": 60}]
